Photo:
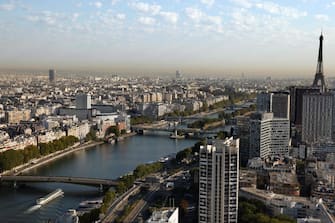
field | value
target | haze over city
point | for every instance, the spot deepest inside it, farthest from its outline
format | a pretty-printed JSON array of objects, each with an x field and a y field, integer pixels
[{"x": 200, "y": 37}]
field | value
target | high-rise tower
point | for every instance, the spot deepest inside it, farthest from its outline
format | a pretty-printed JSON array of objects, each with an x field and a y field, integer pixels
[
  {"x": 52, "y": 74},
  {"x": 218, "y": 181},
  {"x": 319, "y": 70}
]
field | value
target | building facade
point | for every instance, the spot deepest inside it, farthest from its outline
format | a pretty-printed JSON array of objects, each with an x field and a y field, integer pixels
[
  {"x": 83, "y": 101},
  {"x": 218, "y": 181},
  {"x": 15, "y": 116},
  {"x": 281, "y": 105},
  {"x": 317, "y": 117},
  {"x": 276, "y": 102},
  {"x": 268, "y": 135},
  {"x": 297, "y": 93}
]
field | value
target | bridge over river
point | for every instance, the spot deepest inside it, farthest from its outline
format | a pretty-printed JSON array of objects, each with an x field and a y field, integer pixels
[
  {"x": 166, "y": 128},
  {"x": 60, "y": 179}
]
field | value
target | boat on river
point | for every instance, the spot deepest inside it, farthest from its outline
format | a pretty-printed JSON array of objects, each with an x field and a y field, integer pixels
[
  {"x": 175, "y": 135},
  {"x": 49, "y": 197}
]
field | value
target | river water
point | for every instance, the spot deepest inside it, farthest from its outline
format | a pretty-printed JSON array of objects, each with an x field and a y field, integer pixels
[{"x": 104, "y": 161}]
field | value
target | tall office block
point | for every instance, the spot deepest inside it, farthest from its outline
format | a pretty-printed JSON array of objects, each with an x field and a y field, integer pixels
[
  {"x": 263, "y": 102},
  {"x": 83, "y": 101},
  {"x": 52, "y": 75},
  {"x": 276, "y": 102},
  {"x": 317, "y": 117},
  {"x": 280, "y": 102},
  {"x": 297, "y": 93},
  {"x": 268, "y": 135},
  {"x": 218, "y": 181},
  {"x": 243, "y": 133}
]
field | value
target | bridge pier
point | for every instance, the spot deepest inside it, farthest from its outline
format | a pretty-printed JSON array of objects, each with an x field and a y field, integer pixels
[
  {"x": 15, "y": 185},
  {"x": 101, "y": 188}
]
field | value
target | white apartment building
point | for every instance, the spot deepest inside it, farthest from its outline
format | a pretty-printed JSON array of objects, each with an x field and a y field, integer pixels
[
  {"x": 218, "y": 181},
  {"x": 268, "y": 135},
  {"x": 169, "y": 215}
]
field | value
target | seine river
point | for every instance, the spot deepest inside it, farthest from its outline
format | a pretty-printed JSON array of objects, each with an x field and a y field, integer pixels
[{"x": 103, "y": 161}]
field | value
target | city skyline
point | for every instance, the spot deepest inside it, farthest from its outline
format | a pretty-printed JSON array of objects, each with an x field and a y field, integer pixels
[{"x": 200, "y": 37}]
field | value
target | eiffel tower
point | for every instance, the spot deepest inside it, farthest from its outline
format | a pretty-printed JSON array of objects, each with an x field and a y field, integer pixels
[{"x": 319, "y": 77}]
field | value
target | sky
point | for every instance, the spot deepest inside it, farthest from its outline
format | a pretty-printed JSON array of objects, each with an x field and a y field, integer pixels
[{"x": 196, "y": 37}]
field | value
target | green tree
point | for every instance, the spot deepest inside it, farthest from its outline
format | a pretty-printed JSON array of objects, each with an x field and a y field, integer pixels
[
  {"x": 91, "y": 135},
  {"x": 114, "y": 130}
]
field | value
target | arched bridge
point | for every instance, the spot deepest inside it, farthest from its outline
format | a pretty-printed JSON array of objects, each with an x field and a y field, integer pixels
[{"x": 60, "y": 179}]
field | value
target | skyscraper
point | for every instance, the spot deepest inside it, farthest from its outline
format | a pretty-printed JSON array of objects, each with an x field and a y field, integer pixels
[
  {"x": 263, "y": 102},
  {"x": 281, "y": 105},
  {"x": 218, "y": 181},
  {"x": 52, "y": 75},
  {"x": 276, "y": 102},
  {"x": 296, "y": 94}
]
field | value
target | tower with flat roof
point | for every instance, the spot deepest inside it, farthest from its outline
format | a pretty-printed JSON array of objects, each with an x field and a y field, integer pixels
[{"x": 52, "y": 74}]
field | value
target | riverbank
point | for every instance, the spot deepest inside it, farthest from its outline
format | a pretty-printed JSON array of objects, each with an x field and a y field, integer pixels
[
  {"x": 213, "y": 125},
  {"x": 53, "y": 156},
  {"x": 49, "y": 158},
  {"x": 126, "y": 135}
]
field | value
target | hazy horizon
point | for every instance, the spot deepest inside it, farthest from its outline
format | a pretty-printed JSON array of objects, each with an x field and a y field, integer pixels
[{"x": 198, "y": 37}]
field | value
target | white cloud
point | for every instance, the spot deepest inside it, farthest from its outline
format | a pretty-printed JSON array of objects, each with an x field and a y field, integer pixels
[
  {"x": 51, "y": 18},
  {"x": 243, "y": 3},
  {"x": 216, "y": 20},
  {"x": 154, "y": 9},
  {"x": 322, "y": 17},
  {"x": 272, "y": 8},
  {"x": 115, "y": 1},
  {"x": 147, "y": 21},
  {"x": 171, "y": 17},
  {"x": 75, "y": 16},
  {"x": 33, "y": 18},
  {"x": 243, "y": 20},
  {"x": 7, "y": 7},
  {"x": 276, "y": 9},
  {"x": 97, "y": 4},
  {"x": 194, "y": 14},
  {"x": 121, "y": 16},
  {"x": 331, "y": 4},
  {"x": 204, "y": 21},
  {"x": 208, "y": 2}
]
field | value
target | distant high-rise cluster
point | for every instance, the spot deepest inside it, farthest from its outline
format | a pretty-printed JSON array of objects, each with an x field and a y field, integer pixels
[{"x": 52, "y": 75}]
